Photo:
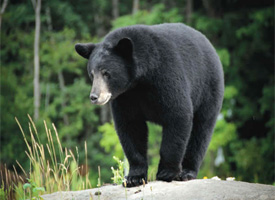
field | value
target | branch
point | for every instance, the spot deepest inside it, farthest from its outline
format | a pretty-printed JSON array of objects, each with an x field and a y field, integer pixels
[{"x": 38, "y": 6}]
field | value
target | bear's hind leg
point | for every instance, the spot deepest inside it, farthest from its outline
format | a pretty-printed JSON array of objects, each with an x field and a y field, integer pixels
[{"x": 202, "y": 130}]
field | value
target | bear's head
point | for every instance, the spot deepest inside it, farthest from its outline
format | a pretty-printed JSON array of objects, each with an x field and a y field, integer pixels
[{"x": 109, "y": 68}]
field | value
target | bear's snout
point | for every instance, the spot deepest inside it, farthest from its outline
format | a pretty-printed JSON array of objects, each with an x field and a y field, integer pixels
[
  {"x": 101, "y": 98},
  {"x": 93, "y": 98}
]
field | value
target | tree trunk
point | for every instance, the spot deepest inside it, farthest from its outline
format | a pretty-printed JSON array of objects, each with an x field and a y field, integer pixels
[
  {"x": 135, "y": 6},
  {"x": 189, "y": 10},
  {"x": 3, "y": 8},
  {"x": 115, "y": 9},
  {"x": 37, "y": 6}
]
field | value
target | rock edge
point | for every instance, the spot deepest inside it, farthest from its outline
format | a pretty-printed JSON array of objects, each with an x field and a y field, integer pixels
[{"x": 206, "y": 189}]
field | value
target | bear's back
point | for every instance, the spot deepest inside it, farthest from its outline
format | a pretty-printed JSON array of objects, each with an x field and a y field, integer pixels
[
  {"x": 186, "y": 39},
  {"x": 173, "y": 48},
  {"x": 177, "y": 33},
  {"x": 171, "y": 38}
]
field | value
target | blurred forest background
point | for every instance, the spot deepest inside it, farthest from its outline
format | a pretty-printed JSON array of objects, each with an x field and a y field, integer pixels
[{"x": 242, "y": 32}]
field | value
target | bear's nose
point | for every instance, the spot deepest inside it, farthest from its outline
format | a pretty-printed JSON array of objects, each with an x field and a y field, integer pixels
[{"x": 93, "y": 98}]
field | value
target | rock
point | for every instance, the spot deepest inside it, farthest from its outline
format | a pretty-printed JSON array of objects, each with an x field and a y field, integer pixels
[{"x": 195, "y": 189}]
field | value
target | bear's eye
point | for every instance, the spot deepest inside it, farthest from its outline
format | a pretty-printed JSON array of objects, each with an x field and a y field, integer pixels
[{"x": 105, "y": 73}]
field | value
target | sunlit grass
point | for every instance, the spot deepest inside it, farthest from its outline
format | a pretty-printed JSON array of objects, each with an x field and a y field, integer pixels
[
  {"x": 118, "y": 174},
  {"x": 52, "y": 167}
]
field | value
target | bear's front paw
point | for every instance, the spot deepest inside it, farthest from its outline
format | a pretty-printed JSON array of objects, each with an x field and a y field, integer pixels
[
  {"x": 167, "y": 175},
  {"x": 186, "y": 175},
  {"x": 132, "y": 181}
]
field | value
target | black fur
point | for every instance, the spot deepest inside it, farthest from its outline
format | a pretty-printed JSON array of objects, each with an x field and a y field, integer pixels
[{"x": 168, "y": 74}]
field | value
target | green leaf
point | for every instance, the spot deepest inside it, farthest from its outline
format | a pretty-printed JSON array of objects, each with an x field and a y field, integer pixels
[
  {"x": 27, "y": 185},
  {"x": 39, "y": 189}
]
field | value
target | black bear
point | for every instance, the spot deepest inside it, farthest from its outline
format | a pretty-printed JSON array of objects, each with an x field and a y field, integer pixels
[{"x": 168, "y": 74}]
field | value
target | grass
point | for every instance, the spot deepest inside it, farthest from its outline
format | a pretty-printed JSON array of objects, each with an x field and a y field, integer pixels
[
  {"x": 118, "y": 173},
  {"x": 52, "y": 167}
]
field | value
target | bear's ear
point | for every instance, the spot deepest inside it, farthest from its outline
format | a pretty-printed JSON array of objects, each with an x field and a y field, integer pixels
[
  {"x": 84, "y": 49},
  {"x": 124, "y": 48}
]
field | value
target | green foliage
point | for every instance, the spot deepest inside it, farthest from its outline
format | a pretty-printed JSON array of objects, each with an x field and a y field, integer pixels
[
  {"x": 254, "y": 152},
  {"x": 244, "y": 79},
  {"x": 224, "y": 133},
  {"x": 63, "y": 13},
  {"x": 209, "y": 26},
  {"x": 118, "y": 173},
  {"x": 157, "y": 15},
  {"x": 4, "y": 192},
  {"x": 110, "y": 141},
  {"x": 259, "y": 18},
  {"x": 32, "y": 191},
  {"x": 155, "y": 135},
  {"x": 225, "y": 59},
  {"x": 16, "y": 91}
]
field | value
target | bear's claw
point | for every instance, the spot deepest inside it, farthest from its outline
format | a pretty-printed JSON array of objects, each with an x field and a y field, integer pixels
[{"x": 133, "y": 181}]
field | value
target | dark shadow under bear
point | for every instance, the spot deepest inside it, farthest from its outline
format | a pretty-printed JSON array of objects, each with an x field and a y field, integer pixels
[{"x": 168, "y": 74}]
